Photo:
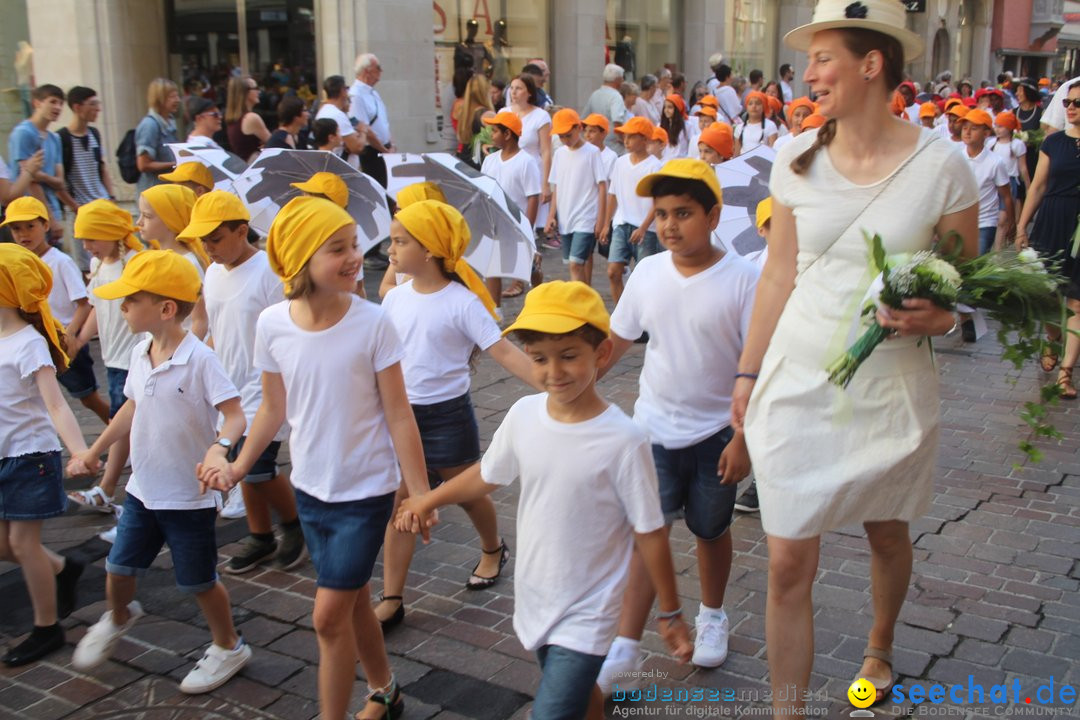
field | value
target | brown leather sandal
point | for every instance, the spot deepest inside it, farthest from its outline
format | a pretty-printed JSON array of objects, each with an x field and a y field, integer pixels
[
  {"x": 881, "y": 684},
  {"x": 1064, "y": 381}
]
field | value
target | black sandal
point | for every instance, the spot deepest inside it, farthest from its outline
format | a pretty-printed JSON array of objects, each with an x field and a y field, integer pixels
[
  {"x": 398, "y": 615},
  {"x": 389, "y": 699},
  {"x": 477, "y": 582}
]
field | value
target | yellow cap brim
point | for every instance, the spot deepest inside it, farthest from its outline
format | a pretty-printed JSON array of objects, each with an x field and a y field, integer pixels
[
  {"x": 199, "y": 229},
  {"x": 116, "y": 290},
  {"x": 308, "y": 187},
  {"x": 553, "y": 323},
  {"x": 645, "y": 185},
  {"x": 22, "y": 217}
]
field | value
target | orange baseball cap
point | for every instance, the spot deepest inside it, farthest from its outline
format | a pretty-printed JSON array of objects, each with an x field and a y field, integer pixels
[
  {"x": 720, "y": 138},
  {"x": 709, "y": 101},
  {"x": 928, "y": 110},
  {"x": 707, "y": 111},
  {"x": 597, "y": 120},
  {"x": 975, "y": 116},
  {"x": 660, "y": 135},
  {"x": 775, "y": 104},
  {"x": 1007, "y": 120},
  {"x": 564, "y": 121},
  {"x": 953, "y": 102},
  {"x": 814, "y": 121},
  {"x": 958, "y": 110},
  {"x": 677, "y": 100},
  {"x": 636, "y": 126},
  {"x": 801, "y": 102},
  {"x": 508, "y": 120}
]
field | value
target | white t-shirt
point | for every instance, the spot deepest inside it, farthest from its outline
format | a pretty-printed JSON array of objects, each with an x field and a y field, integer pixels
[
  {"x": 344, "y": 124},
  {"x": 783, "y": 140},
  {"x": 730, "y": 105},
  {"x": 27, "y": 427},
  {"x": 439, "y": 331},
  {"x": 68, "y": 285},
  {"x": 1010, "y": 154},
  {"x": 340, "y": 444},
  {"x": 117, "y": 340},
  {"x": 990, "y": 174},
  {"x": 1054, "y": 115},
  {"x": 519, "y": 177},
  {"x": 607, "y": 162},
  {"x": 585, "y": 489},
  {"x": 175, "y": 423},
  {"x": 532, "y": 124},
  {"x": 631, "y": 208},
  {"x": 753, "y": 134},
  {"x": 697, "y": 326},
  {"x": 234, "y": 300},
  {"x": 202, "y": 141},
  {"x": 575, "y": 174}
]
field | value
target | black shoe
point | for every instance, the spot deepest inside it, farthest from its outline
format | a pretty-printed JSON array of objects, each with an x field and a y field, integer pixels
[
  {"x": 67, "y": 581},
  {"x": 967, "y": 330},
  {"x": 748, "y": 501},
  {"x": 291, "y": 549},
  {"x": 398, "y": 615},
  {"x": 476, "y": 582},
  {"x": 42, "y": 641},
  {"x": 252, "y": 552},
  {"x": 644, "y": 339}
]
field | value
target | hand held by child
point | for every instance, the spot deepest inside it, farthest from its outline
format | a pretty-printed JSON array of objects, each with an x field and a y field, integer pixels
[{"x": 677, "y": 638}]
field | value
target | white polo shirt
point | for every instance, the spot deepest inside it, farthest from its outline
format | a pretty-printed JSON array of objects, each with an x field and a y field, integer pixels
[{"x": 174, "y": 425}]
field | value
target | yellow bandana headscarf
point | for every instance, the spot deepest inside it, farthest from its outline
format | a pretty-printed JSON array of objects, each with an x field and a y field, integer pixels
[
  {"x": 443, "y": 231},
  {"x": 25, "y": 283},
  {"x": 301, "y": 228},
  {"x": 173, "y": 204},
  {"x": 419, "y": 191},
  {"x": 105, "y": 220}
]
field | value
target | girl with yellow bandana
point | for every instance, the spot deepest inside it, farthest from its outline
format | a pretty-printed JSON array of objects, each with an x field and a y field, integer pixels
[
  {"x": 31, "y": 475},
  {"x": 164, "y": 212},
  {"x": 443, "y": 315},
  {"x": 331, "y": 366}
]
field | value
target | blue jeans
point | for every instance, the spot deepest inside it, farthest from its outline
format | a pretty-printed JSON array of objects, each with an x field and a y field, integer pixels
[
  {"x": 622, "y": 251},
  {"x": 566, "y": 684},
  {"x": 117, "y": 379},
  {"x": 986, "y": 239},
  {"x": 690, "y": 487},
  {"x": 577, "y": 246}
]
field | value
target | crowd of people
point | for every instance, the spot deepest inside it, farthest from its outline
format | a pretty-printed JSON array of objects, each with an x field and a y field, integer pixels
[{"x": 214, "y": 345}]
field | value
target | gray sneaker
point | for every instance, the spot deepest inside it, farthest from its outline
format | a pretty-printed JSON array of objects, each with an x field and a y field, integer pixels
[
  {"x": 291, "y": 549},
  {"x": 252, "y": 552}
]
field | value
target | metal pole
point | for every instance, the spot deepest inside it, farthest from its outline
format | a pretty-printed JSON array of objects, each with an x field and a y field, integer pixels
[{"x": 241, "y": 28}]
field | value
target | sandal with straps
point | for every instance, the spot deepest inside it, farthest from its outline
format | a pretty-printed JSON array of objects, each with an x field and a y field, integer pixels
[
  {"x": 389, "y": 700},
  {"x": 881, "y": 684},
  {"x": 94, "y": 498},
  {"x": 478, "y": 582},
  {"x": 1048, "y": 360},
  {"x": 1064, "y": 381},
  {"x": 398, "y": 615}
]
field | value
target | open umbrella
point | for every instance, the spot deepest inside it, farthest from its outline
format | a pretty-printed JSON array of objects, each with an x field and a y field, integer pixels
[
  {"x": 266, "y": 187},
  {"x": 223, "y": 165},
  {"x": 745, "y": 182},
  {"x": 502, "y": 242}
]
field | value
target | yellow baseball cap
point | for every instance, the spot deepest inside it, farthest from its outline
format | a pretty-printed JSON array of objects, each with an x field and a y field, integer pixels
[
  {"x": 764, "y": 212},
  {"x": 192, "y": 171},
  {"x": 212, "y": 209},
  {"x": 162, "y": 272},
  {"x": 24, "y": 209},
  {"x": 328, "y": 184},
  {"x": 559, "y": 307},
  {"x": 686, "y": 169}
]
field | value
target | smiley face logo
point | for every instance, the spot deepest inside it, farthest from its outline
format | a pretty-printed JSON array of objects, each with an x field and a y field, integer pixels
[{"x": 861, "y": 694}]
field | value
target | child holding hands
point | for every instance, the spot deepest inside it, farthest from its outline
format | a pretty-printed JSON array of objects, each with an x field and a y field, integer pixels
[{"x": 588, "y": 496}]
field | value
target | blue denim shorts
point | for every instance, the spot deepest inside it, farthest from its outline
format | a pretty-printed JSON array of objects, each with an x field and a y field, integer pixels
[
  {"x": 623, "y": 251},
  {"x": 32, "y": 486},
  {"x": 448, "y": 432},
  {"x": 265, "y": 467},
  {"x": 117, "y": 379},
  {"x": 142, "y": 532},
  {"x": 690, "y": 488},
  {"x": 566, "y": 683},
  {"x": 344, "y": 538},
  {"x": 986, "y": 239},
  {"x": 79, "y": 378},
  {"x": 577, "y": 246}
]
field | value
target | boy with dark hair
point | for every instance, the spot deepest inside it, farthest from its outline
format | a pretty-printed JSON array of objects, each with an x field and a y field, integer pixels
[
  {"x": 336, "y": 108},
  {"x": 33, "y": 134},
  {"x": 325, "y": 135},
  {"x": 588, "y": 497},
  {"x": 84, "y": 157},
  {"x": 694, "y": 301}
]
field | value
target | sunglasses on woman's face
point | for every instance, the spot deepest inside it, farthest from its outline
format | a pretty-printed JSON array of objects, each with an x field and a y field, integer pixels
[{"x": 1073, "y": 102}]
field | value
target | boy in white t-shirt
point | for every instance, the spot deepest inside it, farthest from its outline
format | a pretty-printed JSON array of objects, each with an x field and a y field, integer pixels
[
  {"x": 991, "y": 176},
  {"x": 695, "y": 302},
  {"x": 238, "y": 286},
  {"x": 633, "y": 234},
  {"x": 596, "y": 132},
  {"x": 579, "y": 190},
  {"x": 588, "y": 496},
  {"x": 28, "y": 220},
  {"x": 1012, "y": 152},
  {"x": 517, "y": 174},
  {"x": 175, "y": 388}
]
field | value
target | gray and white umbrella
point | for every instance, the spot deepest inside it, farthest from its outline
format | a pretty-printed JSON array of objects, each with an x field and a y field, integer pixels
[
  {"x": 266, "y": 187},
  {"x": 745, "y": 182},
  {"x": 223, "y": 165},
  {"x": 502, "y": 242}
]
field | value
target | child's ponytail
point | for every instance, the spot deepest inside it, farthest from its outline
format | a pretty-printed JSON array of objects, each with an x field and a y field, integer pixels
[
  {"x": 825, "y": 136},
  {"x": 59, "y": 359}
]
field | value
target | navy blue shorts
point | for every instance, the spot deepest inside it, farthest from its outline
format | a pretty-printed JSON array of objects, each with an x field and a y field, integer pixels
[
  {"x": 117, "y": 380},
  {"x": 448, "y": 432},
  {"x": 344, "y": 538},
  {"x": 265, "y": 467},
  {"x": 32, "y": 486},
  {"x": 142, "y": 532},
  {"x": 79, "y": 378},
  {"x": 690, "y": 487}
]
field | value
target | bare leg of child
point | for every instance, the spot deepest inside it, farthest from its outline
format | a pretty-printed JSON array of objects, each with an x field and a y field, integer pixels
[
  {"x": 260, "y": 498},
  {"x": 337, "y": 636},
  {"x": 596, "y": 705},
  {"x": 24, "y": 538},
  {"x": 119, "y": 591},
  {"x": 714, "y": 568},
  {"x": 482, "y": 514},
  {"x": 215, "y": 607},
  {"x": 615, "y": 277},
  {"x": 97, "y": 405},
  {"x": 368, "y": 640},
  {"x": 398, "y": 550},
  {"x": 577, "y": 272}
]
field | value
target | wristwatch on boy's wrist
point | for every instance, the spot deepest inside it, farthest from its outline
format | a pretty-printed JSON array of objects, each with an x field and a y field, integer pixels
[{"x": 225, "y": 443}]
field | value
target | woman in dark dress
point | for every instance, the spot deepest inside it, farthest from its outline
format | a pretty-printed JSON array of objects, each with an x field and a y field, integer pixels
[
  {"x": 1029, "y": 113},
  {"x": 1055, "y": 193},
  {"x": 246, "y": 130}
]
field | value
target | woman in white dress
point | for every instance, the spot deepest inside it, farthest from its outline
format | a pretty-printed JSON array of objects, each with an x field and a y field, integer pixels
[{"x": 824, "y": 457}]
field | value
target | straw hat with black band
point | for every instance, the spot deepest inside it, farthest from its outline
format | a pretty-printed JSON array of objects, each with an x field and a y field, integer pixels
[{"x": 888, "y": 17}]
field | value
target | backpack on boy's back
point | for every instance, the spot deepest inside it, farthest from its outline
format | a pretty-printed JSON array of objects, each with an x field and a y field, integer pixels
[{"x": 126, "y": 158}]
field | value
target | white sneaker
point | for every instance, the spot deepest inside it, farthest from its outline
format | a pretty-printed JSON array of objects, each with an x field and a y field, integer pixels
[
  {"x": 617, "y": 669},
  {"x": 215, "y": 668},
  {"x": 100, "y": 640},
  {"x": 109, "y": 536},
  {"x": 234, "y": 504},
  {"x": 711, "y": 644}
]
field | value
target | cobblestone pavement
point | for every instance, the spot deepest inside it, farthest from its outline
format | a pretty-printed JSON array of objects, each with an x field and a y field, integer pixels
[{"x": 993, "y": 599}]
